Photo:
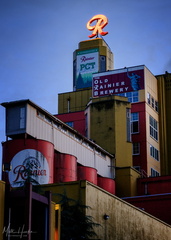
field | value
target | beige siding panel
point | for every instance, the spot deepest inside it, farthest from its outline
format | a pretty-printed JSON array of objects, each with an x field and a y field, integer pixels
[
  {"x": 66, "y": 142},
  {"x": 38, "y": 127}
]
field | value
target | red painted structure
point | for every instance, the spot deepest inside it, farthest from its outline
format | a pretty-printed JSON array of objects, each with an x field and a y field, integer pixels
[
  {"x": 107, "y": 184},
  {"x": 140, "y": 137},
  {"x": 62, "y": 167},
  {"x": 155, "y": 197},
  {"x": 87, "y": 173},
  {"x": 77, "y": 118},
  {"x": 13, "y": 147},
  {"x": 154, "y": 185},
  {"x": 65, "y": 169},
  {"x": 157, "y": 205}
]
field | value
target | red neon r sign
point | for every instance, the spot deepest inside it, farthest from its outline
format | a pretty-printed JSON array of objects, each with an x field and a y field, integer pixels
[{"x": 102, "y": 21}]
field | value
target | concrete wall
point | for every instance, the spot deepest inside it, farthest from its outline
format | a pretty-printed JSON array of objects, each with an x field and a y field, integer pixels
[
  {"x": 2, "y": 204},
  {"x": 126, "y": 181},
  {"x": 125, "y": 222},
  {"x": 108, "y": 127}
]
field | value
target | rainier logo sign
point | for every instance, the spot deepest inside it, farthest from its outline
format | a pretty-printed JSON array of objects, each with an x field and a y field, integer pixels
[
  {"x": 32, "y": 160},
  {"x": 102, "y": 21}
]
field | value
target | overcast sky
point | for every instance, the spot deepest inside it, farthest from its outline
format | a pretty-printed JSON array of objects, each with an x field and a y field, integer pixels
[{"x": 38, "y": 38}]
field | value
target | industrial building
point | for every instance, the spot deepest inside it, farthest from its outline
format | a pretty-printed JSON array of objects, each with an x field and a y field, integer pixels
[
  {"x": 36, "y": 136},
  {"x": 53, "y": 148},
  {"x": 108, "y": 148},
  {"x": 54, "y": 143},
  {"x": 139, "y": 86}
]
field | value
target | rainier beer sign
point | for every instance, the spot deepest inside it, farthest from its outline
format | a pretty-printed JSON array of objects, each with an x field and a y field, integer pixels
[
  {"x": 101, "y": 22},
  {"x": 29, "y": 162}
]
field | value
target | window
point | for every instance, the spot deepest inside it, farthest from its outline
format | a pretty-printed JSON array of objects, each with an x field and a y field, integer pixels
[
  {"x": 44, "y": 117},
  {"x": 41, "y": 115},
  {"x": 134, "y": 122},
  {"x": 154, "y": 173},
  {"x": 103, "y": 155},
  {"x": 156, "y": 106},
  {"x": 152, "y": 102},
  {"x": 137, "y": 168},
  {"x": 132, "y": 96},
  {"x": 135, "y": 96},
  {"x": 148, "y": 98},
  {"x": 56, "y": 125},
  {"x": 47, "y": 119},
  {"x": 136, "y": 148},
  {"x": 22, "y": 117},
  {"x": 71, "y": 124},
  {"x": 153, "y": 128},
  {"x": 154, "y": 153}
]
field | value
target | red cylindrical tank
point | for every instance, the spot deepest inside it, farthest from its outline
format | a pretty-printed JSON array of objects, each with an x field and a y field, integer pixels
[
  {"x": 107, "y": 184},
  {"x": 23, "y": 154},
  {"x": 65, "y": 169},
  {"x": 87, "y": 173}
]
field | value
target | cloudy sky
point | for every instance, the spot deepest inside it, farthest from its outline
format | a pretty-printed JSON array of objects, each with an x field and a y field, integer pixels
[{"x": 38, "y": 38}]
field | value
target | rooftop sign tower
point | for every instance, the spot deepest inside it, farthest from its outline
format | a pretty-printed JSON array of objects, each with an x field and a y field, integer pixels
[{"x": 93, "y": 55}]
